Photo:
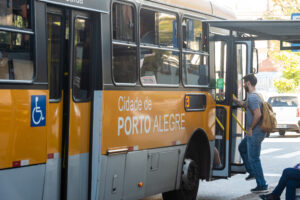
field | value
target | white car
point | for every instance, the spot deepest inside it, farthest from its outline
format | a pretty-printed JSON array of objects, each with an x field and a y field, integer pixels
[{"x": 287, "y": 109}]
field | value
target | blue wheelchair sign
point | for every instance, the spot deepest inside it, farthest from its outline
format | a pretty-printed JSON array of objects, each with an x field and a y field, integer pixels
[{"x": 38, "y": 110}]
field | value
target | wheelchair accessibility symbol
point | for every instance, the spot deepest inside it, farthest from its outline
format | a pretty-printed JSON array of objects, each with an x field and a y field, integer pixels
[{"x": 38, "y": 110}]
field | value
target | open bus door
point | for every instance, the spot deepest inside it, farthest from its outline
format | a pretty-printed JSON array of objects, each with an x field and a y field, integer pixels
[
  {"x": 236, "y": 63},
  {"x": 232, "y": 59}
]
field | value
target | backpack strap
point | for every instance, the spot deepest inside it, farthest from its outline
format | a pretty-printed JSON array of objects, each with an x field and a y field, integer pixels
[{"x": 260, "y": 96}]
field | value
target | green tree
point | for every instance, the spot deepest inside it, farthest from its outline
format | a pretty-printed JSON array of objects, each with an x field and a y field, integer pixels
[
  {"x": 290, "y": 79},
  {"x": 282, "y": 9},
  {"x": 290, "y": 61}
]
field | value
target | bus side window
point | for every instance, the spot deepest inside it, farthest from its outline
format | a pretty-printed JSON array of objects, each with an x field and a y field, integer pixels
[
  {"x": 16, "y": 52},
  {"x": 55, "y": 32},
  {"x": 159, "y": 65},
  {"x": 241, "y": 62},
  {"x": 16, "y": 59},
  {"x": 219, "y": 50},
  {"x": 195, "y": 60},
  {"x": 124, "y": 61},
  {"x": 81, "y": 65}
]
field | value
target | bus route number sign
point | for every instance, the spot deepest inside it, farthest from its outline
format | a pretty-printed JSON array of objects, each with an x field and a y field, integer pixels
[
  {"x": 195, "y": 102},
  {"x": 38, "y": 110}
]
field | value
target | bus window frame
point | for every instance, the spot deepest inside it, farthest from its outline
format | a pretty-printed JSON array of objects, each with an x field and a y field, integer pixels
[
  {"x": 73, "y": 60},
  {"x": 160, "y": 47},
  {"x": 225, "y": 67},
  {"x": 244, "y": 70},
  {"x": 191, "y": 51},
  {"x": 55, "y": 11},
  {"x": 30, "y": 32},
  {"x": 125, "y": 43}
]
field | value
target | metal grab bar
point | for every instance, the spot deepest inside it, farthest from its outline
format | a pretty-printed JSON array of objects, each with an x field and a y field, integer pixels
[
  {"x": 220, "y": 124},
  {"x": 239, "y": 123},
  {"x": 233, "y": 95}
]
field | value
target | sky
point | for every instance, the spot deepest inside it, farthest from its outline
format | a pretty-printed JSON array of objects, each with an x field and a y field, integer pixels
[{"x": 246, "y": 9}]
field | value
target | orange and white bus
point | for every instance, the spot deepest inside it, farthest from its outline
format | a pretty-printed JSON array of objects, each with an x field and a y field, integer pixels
[{"x": 114, "y": 99}]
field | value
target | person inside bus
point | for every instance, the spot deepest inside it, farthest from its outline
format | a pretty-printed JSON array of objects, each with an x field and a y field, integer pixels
[
  {"x": 217, "y": 161},
  {"x": 4, "y": 66},
  {"x": 290, "y": 179},
  {"x": 250, "y": 146}
]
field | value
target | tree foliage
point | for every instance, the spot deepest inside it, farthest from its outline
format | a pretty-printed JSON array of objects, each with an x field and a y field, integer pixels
[
  {"x": 290, "y": 79},
  {"x": 283, "y": 9},
  {"x": 290, "y": 61}
]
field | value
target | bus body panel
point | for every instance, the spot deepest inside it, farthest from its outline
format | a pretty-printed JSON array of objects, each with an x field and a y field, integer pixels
[
  {"x": 52, "y": 178},
  {"x": 78, "y": 176},
  {"x": 80, "y": 114},
  {"x": 96, "y": 141},
  {"x": 20, "y": 144},
  {"x": 152, "y": 119},
  {"x": 26, "y": 183},
  {"x": 54, "y": 133},
  {"x": 156, "y": 169}
]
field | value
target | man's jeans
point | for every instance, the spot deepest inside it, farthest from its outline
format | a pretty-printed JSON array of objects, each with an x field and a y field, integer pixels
[
  {"x": 290, "y": 179},
  {"x": 250, "y": 148}
]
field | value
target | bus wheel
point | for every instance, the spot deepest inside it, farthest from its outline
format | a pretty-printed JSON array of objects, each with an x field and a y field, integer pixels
[{"x": 189, "y": 183}]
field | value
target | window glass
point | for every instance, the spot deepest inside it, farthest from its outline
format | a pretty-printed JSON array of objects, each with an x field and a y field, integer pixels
[
  {"x": 81, "y": 66},
  {"x": 159, "y": 67},
  {"x": 124, "y": 64},
  {"x": 54, "y": 51},
  {"x": 195, "y": 69},
  {"x": 255, "y": 61},
  {"x": 219, "y": 50},
  {"x": 123, "y": 22},
  {"x": 283, "y": 101},
  {"x": 16, "y": 56},
  {"x": 158, "y": 28},
  {"x": 192, "y": 34},
  {"x": 15, "y": 13},
  {"x": 241, "y": 62}
]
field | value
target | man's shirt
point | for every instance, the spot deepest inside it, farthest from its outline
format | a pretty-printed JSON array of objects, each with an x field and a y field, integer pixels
[{"x": 254, "y": 102}]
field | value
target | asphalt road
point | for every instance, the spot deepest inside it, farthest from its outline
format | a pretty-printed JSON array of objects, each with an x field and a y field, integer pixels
[{"x": 278, "y": 152}]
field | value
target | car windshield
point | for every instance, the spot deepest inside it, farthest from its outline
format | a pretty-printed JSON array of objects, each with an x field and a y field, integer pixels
[{"x": 283, "y": 101}]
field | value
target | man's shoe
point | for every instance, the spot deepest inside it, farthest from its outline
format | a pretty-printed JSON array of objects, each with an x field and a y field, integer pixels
[
  {"x": 249, "y": 177},
  {"x": 260, "y": 189},
  {"x": 269, "y": 197}
]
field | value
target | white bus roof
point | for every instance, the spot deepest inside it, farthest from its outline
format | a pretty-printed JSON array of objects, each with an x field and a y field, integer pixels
[{"x": 203, "y": 6}]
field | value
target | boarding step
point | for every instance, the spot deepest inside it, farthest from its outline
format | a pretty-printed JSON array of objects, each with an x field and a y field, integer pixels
[{"x": 298, "y": 194}]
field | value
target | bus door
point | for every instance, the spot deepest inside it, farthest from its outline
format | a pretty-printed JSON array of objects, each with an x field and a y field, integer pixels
[
  {"x": 70, "y": 62},
  {"x": 242, "y": 51},
  {"x": 229, "y": 59}
]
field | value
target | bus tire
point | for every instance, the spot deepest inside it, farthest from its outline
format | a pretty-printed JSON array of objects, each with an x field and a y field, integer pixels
[{"x": 189, "y": 183}]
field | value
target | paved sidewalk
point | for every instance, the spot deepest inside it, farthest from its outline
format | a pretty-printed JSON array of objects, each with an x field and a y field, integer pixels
[
  {"x": 252, "y": 196},
  {"x": 249, "y": 196}
]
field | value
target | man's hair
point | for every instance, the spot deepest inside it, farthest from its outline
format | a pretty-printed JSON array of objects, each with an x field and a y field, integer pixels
[{"x": 251, "y": 78}]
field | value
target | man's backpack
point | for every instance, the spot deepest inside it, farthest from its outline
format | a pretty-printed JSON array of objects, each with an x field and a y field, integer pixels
[{"x": 268, "y": 119}]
